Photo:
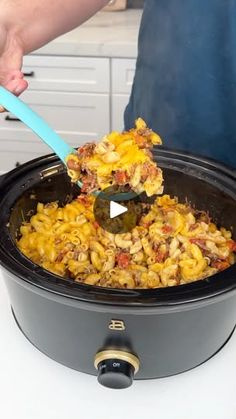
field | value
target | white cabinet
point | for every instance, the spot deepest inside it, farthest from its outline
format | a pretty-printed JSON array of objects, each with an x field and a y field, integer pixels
[
  {"x": 119, "y": 103},
  {"x": 78, "y": 117},
  {"x": 67, "y": 74},
  {"x": 122, "y": 73},
  {"x": 122, "y": 76},
  {"x": 82, "y": 98},
  {"x": 72, "y": 94}
]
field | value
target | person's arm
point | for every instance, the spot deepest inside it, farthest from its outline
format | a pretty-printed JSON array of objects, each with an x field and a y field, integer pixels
[{"x": 26, "y": 25}]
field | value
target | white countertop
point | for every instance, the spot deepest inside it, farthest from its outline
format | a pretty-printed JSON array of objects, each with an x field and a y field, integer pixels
[
  {"x": 107, "y": 34},
  {"x": 33, "y": 386}
]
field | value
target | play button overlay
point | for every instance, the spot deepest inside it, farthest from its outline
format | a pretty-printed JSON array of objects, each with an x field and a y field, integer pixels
[{"x": 117, "y": 210}]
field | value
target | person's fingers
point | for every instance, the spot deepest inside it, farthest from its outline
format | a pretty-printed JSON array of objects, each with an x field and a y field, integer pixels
[
  {"x": 20, "y": 87},
  {"x": 16, "y": 85},
  {"x": 7, "y": 76},
  {"x": 16, "y": 74}
]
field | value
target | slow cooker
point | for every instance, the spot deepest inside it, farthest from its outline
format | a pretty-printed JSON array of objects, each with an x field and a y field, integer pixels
[{"x": 119, "y": 334}]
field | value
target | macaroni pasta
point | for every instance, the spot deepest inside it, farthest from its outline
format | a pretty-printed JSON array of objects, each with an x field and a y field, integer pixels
[
  {"x": 122, "y": 159},
  {"x": 173, "y": 244}
]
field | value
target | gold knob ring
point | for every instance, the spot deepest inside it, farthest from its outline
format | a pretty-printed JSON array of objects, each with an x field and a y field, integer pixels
[{"x": 117, "y": 354}]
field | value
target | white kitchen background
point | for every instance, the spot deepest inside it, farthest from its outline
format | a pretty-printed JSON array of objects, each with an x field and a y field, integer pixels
[{"x": 79, "y": 83}]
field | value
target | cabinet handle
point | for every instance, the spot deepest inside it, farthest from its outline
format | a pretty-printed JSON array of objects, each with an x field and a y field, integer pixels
[
  {"x": 29, "y": 74},
  {"x": 12, "y": 118}
]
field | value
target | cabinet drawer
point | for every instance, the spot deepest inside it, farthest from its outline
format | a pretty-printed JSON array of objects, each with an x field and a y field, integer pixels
[
  {"x": 77, "y": 117},
  {"x": 69, "y": 74},
  {"x": 24, "y": 137},
  {"x": 122, "y": 73},
  {"x": 25, "y": 142}
]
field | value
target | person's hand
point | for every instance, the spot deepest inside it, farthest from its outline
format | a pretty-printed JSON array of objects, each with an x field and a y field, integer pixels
[
  {"x": 11, "y": 57},
  {"x": 27, "y": 25},
  {"x": 12, "y": 80}
]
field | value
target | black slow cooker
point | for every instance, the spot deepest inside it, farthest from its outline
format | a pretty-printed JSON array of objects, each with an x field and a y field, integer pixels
[{"x": 119, "y": 334}]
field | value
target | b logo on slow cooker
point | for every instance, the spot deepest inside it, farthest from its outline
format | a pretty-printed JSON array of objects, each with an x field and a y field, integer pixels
[{"x": 116, "y": 324}]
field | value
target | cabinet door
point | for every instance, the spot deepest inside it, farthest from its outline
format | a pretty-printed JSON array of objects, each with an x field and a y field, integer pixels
[
  {"x": 119, "y": 103},
  {"x": 122, "y": 75},
  {"x": 68, "y": 74}
]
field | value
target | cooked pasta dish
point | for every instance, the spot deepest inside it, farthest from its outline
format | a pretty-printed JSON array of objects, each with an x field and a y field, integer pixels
[
  {"x": 119, "y": 159},
  {"x": 172, "y": 244}
]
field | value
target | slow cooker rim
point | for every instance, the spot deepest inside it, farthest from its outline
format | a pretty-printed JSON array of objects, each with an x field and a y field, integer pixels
[
  {"x": 201, "y": 290},
  {"x": 161, "y": 151},
  {"x": 195, "y": 291}
]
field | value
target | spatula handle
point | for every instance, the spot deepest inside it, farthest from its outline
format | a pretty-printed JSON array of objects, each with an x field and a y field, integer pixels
[{"x": 36, "y": 123}]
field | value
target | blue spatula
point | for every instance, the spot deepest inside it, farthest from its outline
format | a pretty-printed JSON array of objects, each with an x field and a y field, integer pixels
[
  {"x": 44, "y": 131},
  {"x": 36, "y": 123}
]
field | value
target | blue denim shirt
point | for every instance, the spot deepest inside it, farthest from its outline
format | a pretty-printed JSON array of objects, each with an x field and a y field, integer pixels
[{"x": 185, "y": 81}]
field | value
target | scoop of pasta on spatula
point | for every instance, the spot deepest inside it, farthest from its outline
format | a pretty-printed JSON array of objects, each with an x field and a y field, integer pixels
[{"x": 119, "y": 159}]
